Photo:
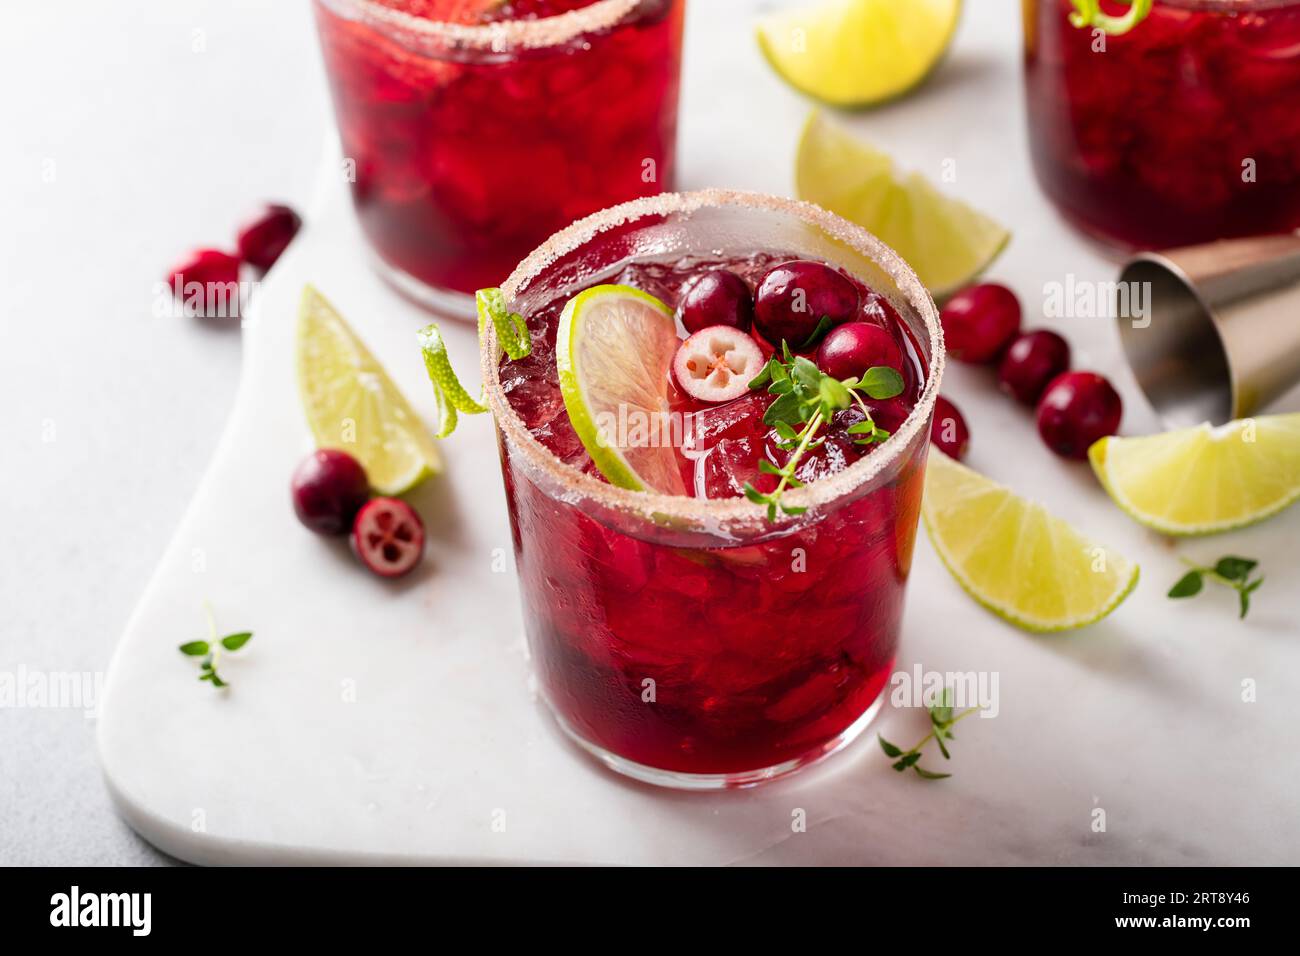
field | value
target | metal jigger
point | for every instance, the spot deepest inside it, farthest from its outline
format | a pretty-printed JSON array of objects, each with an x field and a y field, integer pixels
[{"x": 1212, "y": 332}]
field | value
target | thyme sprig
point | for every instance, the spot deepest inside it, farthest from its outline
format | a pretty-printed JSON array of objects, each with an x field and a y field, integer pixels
[
  {"x": 210, "y": 650},
  {"x": 806, "y": 399},
  {"x": 942, "y": 720},
  {"x": 1230, "y": 571}
]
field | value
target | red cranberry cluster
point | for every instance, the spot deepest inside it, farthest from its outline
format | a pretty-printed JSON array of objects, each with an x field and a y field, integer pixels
[
  {"x": 331, "y": 496},
  {"x": 795, "y": 302},
  {"x": 981, "y": 325},
  {"x": 260, "y": 242}
]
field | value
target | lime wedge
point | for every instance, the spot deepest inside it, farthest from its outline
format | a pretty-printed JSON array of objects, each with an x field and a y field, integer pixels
[
  {"x": 1013, "y": 557},
  {"x": 613, "y": 350},
  {"x": 353, "y": 405},
  {"x": 1202, "y": 480},
  {"x": 946, "y": 241},
  {"x": 858, "y": 52}
]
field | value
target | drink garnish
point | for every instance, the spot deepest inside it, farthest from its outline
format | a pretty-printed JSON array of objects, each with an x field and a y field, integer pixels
[
  {"x": 942, "y": 720},
  {"x": 1087, "y": 13},
  {"x": 858, "y": 52},
  {"x": 1230, "y": 571},
  {"x": 1204, "y": 479},
  {"x": 943, "y": 239},
  {"x": 450, "y": 396},
  {"x": 807, "y": 398},
  {"x": 1014, "y": 557},
  {"x": 210, "y": 650},
  {"x": 352, "y": 404},
  {"x": 613, "y": 350}
]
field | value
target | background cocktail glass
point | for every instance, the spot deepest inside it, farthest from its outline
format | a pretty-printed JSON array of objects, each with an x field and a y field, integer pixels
[
  {"x": 1181, "y": 131},
  {"x": 467, "y": 145}
]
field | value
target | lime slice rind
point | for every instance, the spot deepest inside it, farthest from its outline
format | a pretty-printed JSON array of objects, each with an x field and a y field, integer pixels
[
  {"x": 1204, "y": 480},
  {"x": 614, "y": 347},
  {"x": 352, "y": 404},
  {"x": 1016, "y": 559}
]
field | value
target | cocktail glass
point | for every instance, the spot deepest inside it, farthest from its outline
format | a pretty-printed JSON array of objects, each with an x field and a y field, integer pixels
[
  {"x": 692, "y": 642},
  {"x": 468, "y": 144},
  {"x": 1181, "y": 131}
]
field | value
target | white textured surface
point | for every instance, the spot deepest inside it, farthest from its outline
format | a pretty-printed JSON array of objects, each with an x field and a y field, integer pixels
[{"x": 1140, "y": 715}]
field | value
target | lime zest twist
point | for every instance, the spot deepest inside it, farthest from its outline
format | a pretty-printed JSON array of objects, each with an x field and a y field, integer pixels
[
  {"x": 451, "y": 397},
  {"x": 1087, "y": 13}
]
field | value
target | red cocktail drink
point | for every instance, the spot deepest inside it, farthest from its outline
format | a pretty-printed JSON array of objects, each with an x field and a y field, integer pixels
[
  {"x": 475, "y": 128},
  {"x": 1183, "y": 130},
  {"x": 688, "y": 639}
]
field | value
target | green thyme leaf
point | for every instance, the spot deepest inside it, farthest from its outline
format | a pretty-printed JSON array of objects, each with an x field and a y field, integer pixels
[
  {"x": 233, "y": 642},
  {"x": 1234, "y": 568},
  {"x": 834, "y": 394},
  {"x": 881, "y": 381},
  {"x": 1189, "y": 584},
  {"x": 195, "y": 648},
  {"x": 805, "y": 373},
  {"x": 908, "y": 760},
  {"x": 764, "y": 374},
  {"x": 930, "y": 774},
  {"x": 823, "y": 325}
]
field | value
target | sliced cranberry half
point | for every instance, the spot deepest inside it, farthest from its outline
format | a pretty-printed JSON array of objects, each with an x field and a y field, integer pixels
[
  {"x": 388, "y": 537},
  {"x": 717, "y": 364},
  {"x": 264, "y": 237}
]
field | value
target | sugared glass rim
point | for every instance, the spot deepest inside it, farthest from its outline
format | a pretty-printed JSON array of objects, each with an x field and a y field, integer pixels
[
  {"x": 1227, "y": 6},
  {"x": 498, "y": 36},
  {"x": 813, "y": 496}
]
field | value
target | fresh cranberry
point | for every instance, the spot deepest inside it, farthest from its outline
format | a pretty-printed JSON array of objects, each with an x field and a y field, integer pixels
[
  {"x": 948, "y": 431},
  {"x": 850, "y": 349},
  {"x": 329, "y": 487},
  {"x": 207, "y": 279},
  {"x": 979, "y": 321},
  {"x": 877, "y": 310},
  {"x": 717, "y": 364},
  {"x": 263, "y": 238},
  {"x": 1077, "y": 409},
  {"x": 388, "y": 537},
  {"x": 717, "y": 298},
  {"x": 794, "y": 297},
  {"x": 1031, "y": 361}
]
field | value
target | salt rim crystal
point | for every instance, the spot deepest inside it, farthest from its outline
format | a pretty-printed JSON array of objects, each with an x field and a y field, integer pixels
[
  {"x": 498, "y": 36},
  {"x": 573, "y": 486}
]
